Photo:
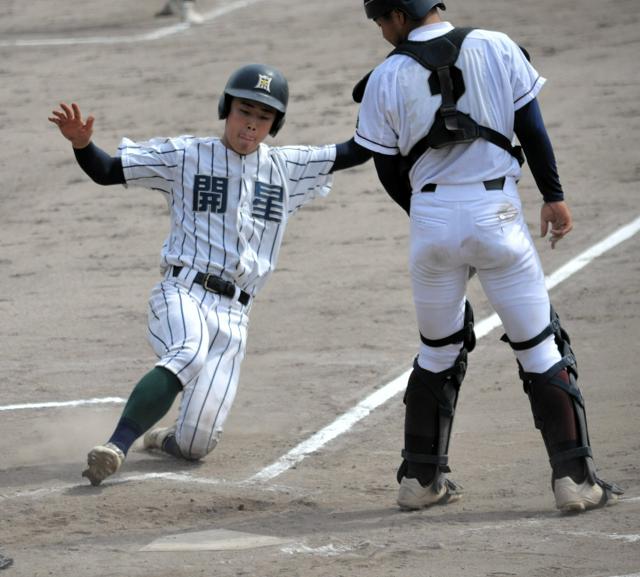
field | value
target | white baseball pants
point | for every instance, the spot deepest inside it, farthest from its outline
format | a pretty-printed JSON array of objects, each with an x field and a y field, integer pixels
[{"x": 460, "y": 226}]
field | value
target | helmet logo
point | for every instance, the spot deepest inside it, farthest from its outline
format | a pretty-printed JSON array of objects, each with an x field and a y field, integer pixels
[{"x": 264, "y": 82}]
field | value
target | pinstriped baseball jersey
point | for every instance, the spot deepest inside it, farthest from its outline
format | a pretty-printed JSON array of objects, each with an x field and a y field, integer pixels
[{"x": 228, "y": 211}]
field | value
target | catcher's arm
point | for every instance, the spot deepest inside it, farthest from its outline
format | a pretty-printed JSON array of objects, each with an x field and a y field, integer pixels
[
  {"x": 349, "y": 154},
  {"x": 532, "y": 134},
  {"x": 394, "y": 178}
]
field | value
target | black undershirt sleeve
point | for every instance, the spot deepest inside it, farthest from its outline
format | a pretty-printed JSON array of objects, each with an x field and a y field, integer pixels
[
  {"x": 349, "y": 154},
  {"x": 394, "y": 178},
  {"x": 532, "y": 134},
  {"x": 99, "y": 166}
]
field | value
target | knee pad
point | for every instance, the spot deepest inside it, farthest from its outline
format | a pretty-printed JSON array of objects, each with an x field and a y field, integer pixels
[{"x": 431, "y": 400}]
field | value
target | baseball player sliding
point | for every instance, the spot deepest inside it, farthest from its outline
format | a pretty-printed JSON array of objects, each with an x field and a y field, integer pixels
[
  {"x": 439, "y": 114},
  {"x": 230, "y": 199}
]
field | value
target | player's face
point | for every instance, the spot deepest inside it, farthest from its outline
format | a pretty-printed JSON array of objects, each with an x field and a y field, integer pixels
[
  {"x": 248, "y": 124},
  {"x": 392, "y": 26}
]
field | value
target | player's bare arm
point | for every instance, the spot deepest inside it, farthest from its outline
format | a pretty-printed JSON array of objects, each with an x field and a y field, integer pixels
[{"x": 69, "y": 120}]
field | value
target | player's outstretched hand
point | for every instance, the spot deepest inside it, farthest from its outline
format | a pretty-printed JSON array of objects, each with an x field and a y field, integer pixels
[
  {"x": 73, "y": 128},
  {"x": 559, "y": 216}
]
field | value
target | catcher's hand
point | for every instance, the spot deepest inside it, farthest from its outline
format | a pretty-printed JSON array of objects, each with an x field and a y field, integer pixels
[
  {"x": 559, "y": 216},
  {"x": 71, "y": 125}
]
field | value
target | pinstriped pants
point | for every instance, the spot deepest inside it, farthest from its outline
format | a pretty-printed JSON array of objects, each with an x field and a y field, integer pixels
[{"x": 201, "y": 338}]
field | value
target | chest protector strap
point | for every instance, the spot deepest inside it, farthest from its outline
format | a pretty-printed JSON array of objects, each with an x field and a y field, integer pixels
[{"x": 450, "y": 126}]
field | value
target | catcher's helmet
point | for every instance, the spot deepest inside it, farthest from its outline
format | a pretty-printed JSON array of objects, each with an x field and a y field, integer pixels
[
  {"x": 414, "y": 9},
  {"x": 259, "y": 83}
]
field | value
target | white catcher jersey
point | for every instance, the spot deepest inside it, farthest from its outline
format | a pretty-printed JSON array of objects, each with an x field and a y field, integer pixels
[
  {"x": 398, "y": 109},
  {"x": 228, "y": 211}
]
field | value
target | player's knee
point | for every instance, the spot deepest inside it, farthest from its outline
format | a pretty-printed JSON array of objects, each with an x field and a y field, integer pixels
[
  {"x": 438, "y": 359},
  {"x": 187, "y": 360},
  {"x": 540, "y": 358},
  {"x": 195, "y": 444},
  {"x": 543, "y": 351}
]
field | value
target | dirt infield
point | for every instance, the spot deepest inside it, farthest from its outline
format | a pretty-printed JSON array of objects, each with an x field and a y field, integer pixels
[{"x": 334, "y": 324}]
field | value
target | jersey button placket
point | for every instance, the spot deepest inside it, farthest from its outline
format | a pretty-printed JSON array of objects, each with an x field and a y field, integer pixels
[{"x": 245, "y": 190}]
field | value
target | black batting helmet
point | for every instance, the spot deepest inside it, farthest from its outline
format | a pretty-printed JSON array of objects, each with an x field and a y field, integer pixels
[
  {"x": 414, "y": 9},
  {"x": 259, "y": 83}
]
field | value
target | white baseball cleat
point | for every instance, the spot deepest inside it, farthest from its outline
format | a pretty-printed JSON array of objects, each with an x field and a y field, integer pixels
[
  {"x": 572, "y": 497},
  {"x": 189, "y": 13},
  {"x": 103, "y": 461},
  {"x": 412, "y": 495},
  {"x": 155, "y": 438}
]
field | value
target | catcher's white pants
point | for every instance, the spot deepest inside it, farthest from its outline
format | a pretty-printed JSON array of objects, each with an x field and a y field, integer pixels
[
  {"x": 459, "y": 226},
  {"x": 201, "y": 338}
]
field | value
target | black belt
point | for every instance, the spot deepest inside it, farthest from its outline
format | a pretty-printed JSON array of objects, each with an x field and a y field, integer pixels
[
  {"x": 217, "y": 285},
  {"x": 495, "y": 184}
]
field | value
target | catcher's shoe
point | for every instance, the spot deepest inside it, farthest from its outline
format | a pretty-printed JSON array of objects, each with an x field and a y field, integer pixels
[
  {"x": 103, "y": 461},
  {"x": 412, "y": 495},
  {"x": 155, "y": 438},
  {"x": 572, "y": 497}
]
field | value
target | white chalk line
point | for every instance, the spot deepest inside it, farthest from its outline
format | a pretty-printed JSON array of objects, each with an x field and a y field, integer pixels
[
  {"x": 627, "y": 538},
  {"x": 63, "y": 404},
  {"x": 343, "y": 423},
  {"x": 174, "y": 477},
  {"x": 156, "y": 34},
  {"x": 186, "y": 478},
  {"x": 362, "y": 409}
]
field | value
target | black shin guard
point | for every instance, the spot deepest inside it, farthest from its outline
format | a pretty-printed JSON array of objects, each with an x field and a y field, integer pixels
[
  {"x": 430, "y": 400},
  {"x": 559, "y": 410}
]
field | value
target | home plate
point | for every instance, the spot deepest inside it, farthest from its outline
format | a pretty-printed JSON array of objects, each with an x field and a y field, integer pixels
[{"x": 214, "y": 540}]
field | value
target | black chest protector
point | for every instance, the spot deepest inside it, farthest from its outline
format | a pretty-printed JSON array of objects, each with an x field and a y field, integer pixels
[{"x": 450, "y": 126}]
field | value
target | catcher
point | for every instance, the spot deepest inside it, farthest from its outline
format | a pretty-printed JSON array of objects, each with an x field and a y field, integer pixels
[{"x": 439, "y": 115}]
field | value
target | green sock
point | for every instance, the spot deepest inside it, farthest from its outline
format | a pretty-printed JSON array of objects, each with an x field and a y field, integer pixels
[
  {"x": 152, "y": 398},
  {"x": 149, "y": 401}
]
